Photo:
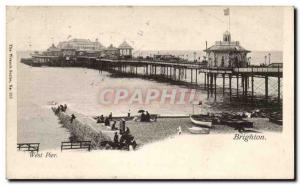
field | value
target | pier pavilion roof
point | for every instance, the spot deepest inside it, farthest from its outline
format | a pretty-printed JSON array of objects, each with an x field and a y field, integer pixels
[
  {"x": 226, "y": 45},
  {"x": 125, "y": 45},
  {"x": 53, "y": 48},
  {"x": 81, "y": 44},
  {"x": 111, "y": 47}
]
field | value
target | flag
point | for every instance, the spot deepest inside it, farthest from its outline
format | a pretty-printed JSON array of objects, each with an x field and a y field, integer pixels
[{"x": 226, "y": 11}]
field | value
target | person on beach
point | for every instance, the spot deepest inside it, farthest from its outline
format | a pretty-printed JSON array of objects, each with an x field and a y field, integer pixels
[
  {"x": 127, "y": 132},
  {"x": 122, "y": 126},
  {"x": 128, "y": 114},
  {"x": 147, "y": 116},
  {"x": 57, "y": 110},
  {"x": 106, "y": 122},
  {"x": 113, "y": 126},
  {"x": 72, "y": 118},
  {"x": 110, "y": 116},
  {"x": 143, "y": 118},
  {"x": 133, "y": 143},
  {"x": 101, "y": 118},
  {"x": 116, "y": 139},
  {"x": 61, "y": 108},
  {"x": 179, "y": 130},
  {"x": 65, "y": 107}
]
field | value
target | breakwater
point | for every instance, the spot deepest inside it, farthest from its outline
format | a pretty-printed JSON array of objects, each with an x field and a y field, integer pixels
[{"x": 83, "y": 128}]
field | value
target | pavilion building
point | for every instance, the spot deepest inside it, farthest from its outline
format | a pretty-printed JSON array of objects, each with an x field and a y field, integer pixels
[
  {"x": 125, "y": 50},
  {"x": 227, "y": 53}
]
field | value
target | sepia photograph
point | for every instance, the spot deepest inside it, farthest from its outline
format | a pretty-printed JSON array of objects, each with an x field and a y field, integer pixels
[{"x": 150, "y": 92}]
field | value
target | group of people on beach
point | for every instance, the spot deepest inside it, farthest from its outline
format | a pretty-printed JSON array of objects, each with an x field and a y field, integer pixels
[
  {"x": 61, "y": 108},
  {"x": 123, "y": 139},
  {"x": 126, "y": 140},
  {"x": 105, "y": 120},
  {"x": 145, "y": 117}
]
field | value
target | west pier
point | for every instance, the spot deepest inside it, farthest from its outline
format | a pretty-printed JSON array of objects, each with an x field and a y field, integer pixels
[
  {"x": 177, "y": 72},
  {"x": 225, "y": 70}
]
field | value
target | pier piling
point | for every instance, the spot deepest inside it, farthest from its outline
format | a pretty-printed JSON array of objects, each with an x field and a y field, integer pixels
[
  {"x": 230, "y": 93},
  {"x": 237, "y": 86},
  {"x": 215, "y": 75},
  {"x": 278, "y": 89},
  {"x": 223, "y": 84},
  {"x": 266, "y": 88},
  {"x": 196, "y": 77},
  {"x": 205, "y": 81}
]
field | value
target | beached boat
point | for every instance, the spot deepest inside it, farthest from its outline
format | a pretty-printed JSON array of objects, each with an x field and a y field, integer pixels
[
  {"x": 237, "y": 123},
  {"x": 201, "y": 120},
  {"x": 199, "y": 130},
  {"x": 276, "y": 118}
]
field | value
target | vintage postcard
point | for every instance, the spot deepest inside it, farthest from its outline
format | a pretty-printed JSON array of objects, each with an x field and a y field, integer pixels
[{"x": 127, "y": 92}]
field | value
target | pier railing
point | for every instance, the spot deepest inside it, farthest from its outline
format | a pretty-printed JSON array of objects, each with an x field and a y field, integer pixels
[
  {"x": 258, "y": 70},
  {"x": 31, "y": 147},
  {"x": 76, "y": 145}
]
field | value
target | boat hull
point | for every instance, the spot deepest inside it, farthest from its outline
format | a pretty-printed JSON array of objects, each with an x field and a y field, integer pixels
[
  {"x": 198, "y": 130},
  {"x": 236, "y": 123},
  {"x": 201, "y": 122}
]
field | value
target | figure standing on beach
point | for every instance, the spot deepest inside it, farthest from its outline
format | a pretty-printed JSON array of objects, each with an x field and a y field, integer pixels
[
  {"x": 72, "y": 118},
  {"x": 106, "y": 122},
  {"x": 65, "y": 107},
  {"x": 113, "y": 127},
  {"x": 179, "y": 130},
  {"x": 143, "y": 117},
  {"x": 128, "y": 114},
  {"x": 147, "y": 117},
  {"x": 116, "y": 138},
  {"x": 127, "y": 132},
  {"x": 122, "y": 125},
  {"x": 61, "y": 108},
  {"x": 100, "y": 119},
  {"x": 110, "y": 115}
]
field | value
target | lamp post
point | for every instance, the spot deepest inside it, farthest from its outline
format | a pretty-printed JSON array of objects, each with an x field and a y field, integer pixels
[
  {"x": 265, "y": 60},
  {"x": 269, "y": 58}
]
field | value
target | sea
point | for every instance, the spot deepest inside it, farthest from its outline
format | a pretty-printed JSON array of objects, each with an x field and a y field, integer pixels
[{"x": 80, "y": 89}]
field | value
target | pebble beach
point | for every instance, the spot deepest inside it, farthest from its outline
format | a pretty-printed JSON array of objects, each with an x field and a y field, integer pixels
[{"x": 166, "y": 127}]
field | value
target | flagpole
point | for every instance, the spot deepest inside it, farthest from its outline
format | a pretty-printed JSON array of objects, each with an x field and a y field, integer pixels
[{"x": 229, "y": 20}]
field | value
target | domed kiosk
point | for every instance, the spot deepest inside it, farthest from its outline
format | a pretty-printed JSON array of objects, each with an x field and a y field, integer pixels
[{"x": 227, "y": 53}]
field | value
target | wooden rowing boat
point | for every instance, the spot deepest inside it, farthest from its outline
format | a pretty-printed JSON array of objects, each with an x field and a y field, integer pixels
[
  {"x": 237, "y": 123},
  {"x": 276, "y": 118},
  {"x": 199, "y": 130},
  {"x": 201, "y": 120}
]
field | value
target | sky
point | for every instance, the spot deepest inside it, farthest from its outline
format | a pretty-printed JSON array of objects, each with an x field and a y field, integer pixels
[{"x": 146, "y": 28}]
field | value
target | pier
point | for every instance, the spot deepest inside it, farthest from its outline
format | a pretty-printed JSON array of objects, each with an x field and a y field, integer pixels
[
  {"x": 177, "y": 72},
  {"x": 225, "y": 70},
  {"x": 201, "y": 77}
]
